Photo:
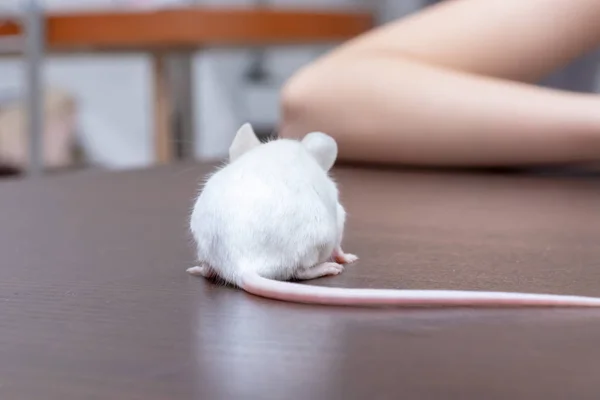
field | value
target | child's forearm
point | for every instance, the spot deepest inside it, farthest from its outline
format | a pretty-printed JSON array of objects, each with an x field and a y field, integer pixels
[{"x": 392, "y": 110}]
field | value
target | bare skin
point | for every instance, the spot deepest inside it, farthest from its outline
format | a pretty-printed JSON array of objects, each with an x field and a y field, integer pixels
[
  {"x": 452, "y": 85},
  {"x": 343, "y": 258},
  {"x": 319, "y": 271}
]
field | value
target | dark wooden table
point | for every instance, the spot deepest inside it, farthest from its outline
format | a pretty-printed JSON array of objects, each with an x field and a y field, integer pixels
[{"x": 95, "y": 302}]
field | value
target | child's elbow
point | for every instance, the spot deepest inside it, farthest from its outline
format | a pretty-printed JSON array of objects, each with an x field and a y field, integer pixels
[{"x": 296, "y": 98}]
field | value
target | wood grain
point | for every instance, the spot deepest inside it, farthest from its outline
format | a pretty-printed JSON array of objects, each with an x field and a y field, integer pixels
[
  {"x": 191, "y": 27},
  {"x": 95, "y": 302}
]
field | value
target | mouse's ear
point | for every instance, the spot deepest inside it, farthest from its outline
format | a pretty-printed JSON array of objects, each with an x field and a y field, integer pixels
[
  {"x": 245, "y": 140},
  {"x": 322, "y": 147}
]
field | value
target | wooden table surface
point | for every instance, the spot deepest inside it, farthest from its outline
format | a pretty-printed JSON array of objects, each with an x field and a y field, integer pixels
[{"x": 95, "y": 302}]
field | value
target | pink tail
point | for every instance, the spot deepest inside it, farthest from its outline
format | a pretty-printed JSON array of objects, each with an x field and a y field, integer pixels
[{"x": 301, "y": 293}]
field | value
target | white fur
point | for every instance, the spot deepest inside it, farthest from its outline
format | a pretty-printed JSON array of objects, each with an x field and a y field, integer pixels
[{"x": 273, "y": 209}]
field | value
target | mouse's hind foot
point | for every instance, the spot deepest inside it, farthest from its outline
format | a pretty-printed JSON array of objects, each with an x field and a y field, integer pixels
[
  {"x": 343, "y": 258},
  {"x": 202, "y": 270},
  {"x": 320, "y": 270}
]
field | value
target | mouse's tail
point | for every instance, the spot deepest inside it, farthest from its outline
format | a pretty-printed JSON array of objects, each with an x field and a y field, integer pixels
[{"x": 304, "y": 293}]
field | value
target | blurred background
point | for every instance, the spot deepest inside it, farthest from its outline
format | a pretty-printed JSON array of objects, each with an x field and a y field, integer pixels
[{"x": 101, "y": 107}]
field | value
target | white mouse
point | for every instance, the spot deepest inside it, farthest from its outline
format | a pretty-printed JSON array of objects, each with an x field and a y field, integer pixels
[{"x": 272, "y": 214}]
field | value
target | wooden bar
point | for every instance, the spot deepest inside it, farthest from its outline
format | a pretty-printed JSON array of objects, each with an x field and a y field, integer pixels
[
  {"x": 9, "y": 28},
  {"x": 191, "y": 27},
  {"x": 162, "y": 108}
]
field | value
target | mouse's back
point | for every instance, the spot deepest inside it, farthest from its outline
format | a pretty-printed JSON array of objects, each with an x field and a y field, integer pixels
[{"x": 272, "y": 205}]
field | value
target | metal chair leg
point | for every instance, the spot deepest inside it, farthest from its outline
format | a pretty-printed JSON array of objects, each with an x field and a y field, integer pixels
[{"x": 34, "y": 31}]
